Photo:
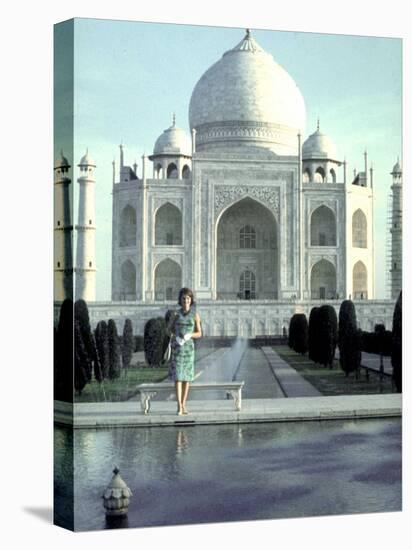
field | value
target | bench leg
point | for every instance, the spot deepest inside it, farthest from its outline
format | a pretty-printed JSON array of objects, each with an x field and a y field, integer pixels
[
  {"x": 237, "y": 398},
  {"x": 145, "y": 401}
]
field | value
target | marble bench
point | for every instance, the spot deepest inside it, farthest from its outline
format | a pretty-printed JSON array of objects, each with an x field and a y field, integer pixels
[{"x": 149, "y": 390}]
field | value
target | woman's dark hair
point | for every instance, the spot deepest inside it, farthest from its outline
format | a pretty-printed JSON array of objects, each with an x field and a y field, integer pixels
[{"x": 186, "y": 292}]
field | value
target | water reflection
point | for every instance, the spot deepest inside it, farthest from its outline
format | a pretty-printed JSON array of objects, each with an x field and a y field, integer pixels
[{"x": 239, "y": 472}]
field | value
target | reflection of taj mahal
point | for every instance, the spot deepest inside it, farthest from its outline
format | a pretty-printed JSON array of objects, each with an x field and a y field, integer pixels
[{"x": 243, "y": 210}]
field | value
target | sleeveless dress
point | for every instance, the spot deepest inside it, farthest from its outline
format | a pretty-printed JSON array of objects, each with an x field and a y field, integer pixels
[{"x": 182, "y": 363}]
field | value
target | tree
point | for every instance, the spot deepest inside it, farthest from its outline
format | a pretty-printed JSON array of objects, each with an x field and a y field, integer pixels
[
  {"x": 154, "y": 341},
  {"x": 396, "y": 358},
  {"x": 127, "y": 343},
  {"x": 102, "y": 345},
  {"x": 349, "y": 339},
  {"x": 114, "y": 350},
  {"x": 298, "y": 333},
  {"x": 327, "y": 335},
  {"x": 313, "y": 334},
  {"x": 81, "y": 315},
  {"x": 81, "y": 360},
  {"x": 63, "y": 354}
]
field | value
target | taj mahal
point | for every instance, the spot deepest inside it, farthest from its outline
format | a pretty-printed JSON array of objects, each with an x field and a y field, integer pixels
[{"x": 245, "y": 211}]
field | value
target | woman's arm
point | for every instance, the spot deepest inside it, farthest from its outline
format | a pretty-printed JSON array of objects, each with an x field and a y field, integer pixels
[{"x": 198, "y": 328}]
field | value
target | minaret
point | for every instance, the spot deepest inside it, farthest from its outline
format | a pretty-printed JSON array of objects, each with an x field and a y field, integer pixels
[
  {"x": 396, "y": 231},
  {"x": 63, "y": 231},
  {"x": 85, "y": 284}
]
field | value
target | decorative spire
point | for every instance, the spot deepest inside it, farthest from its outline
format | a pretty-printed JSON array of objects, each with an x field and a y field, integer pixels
[
  {"x": 248, "y": 44},
  {"x": 317, "y": 128},
  {"x": 174, "y": 120}
]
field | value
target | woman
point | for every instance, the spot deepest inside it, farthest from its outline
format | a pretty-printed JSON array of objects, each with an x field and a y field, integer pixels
[{"x": 185, "y": 328}]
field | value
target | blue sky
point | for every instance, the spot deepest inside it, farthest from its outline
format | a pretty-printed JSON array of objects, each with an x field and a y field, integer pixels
[{"x": 130, "y": 77}]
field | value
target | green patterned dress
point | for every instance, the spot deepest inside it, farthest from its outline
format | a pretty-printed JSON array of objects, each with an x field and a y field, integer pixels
[{"x": 182, "y": 364}]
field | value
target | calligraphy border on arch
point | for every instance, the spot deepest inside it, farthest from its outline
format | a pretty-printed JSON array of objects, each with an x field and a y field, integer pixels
[{"x": 226, "y": 194}]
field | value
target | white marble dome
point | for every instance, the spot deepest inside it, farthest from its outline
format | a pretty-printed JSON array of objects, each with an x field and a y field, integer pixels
[
  {"x": 61, "y": 162},
  {"x": 247, "y": 97},
  {"x": 86, "y": 160},
  {"x": 173, "y": 141},
  {"x": 319, "y": 145}
]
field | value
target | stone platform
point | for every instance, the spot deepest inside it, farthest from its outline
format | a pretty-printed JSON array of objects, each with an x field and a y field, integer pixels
[{"x": 163, "y": 413}]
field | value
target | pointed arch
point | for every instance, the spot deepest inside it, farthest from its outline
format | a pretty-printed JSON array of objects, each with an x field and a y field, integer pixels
[
  {"x": 323, "y": 227},
  {"x": 323, "y": 280},
  {"x": 128, "y": 281},
  {"x": 319, "y": 176},
  {"x": 172, "y": 172},
  {"x": 158, "y": 170},
  {"x": 359, "y": 229},
  {"x": 306, "y": 176},
  {"x": 332, "y": 174},
  {"x": 247, "y": 240},
  {"x": 360, "y": 281},
  {"x": 167, "y": 280},
  {"x": 186, "y": 172},
  {"x": 127, "y": 227},
  {"x": 168, "y": 225}
]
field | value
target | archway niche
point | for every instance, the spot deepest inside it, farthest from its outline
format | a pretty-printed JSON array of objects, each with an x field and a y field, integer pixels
[
  {"x": 167, "y": 280},
  {"x": 127, "y": 228},
  {"x": 172, "y": 172},
  {"x": 323, "y": 281},
  {"x": 247, "y": 241},
  {"x": 360, "y": 281},
  {"x": 128, "y": 281},
  {"x": 186, "y": 172},
  {"x": 306, "y": 176},
  {"x": 323, "y": 227},
  {"x": 168, "y": 225},
  {"x": 319, "y": 176},
  {"x": 359, "y": 230}
]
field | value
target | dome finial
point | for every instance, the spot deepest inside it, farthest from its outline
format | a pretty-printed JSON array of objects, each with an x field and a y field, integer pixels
[
  {"x": 247, "y": 33},
  {"x": 318, "y": 125},
  {"x": 174, "y": 119}
]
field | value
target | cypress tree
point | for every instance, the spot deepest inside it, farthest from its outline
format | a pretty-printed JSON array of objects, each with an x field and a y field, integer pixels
[
  {"x": 154, "y": 341},
  {"x": 63, "y": 354},
  {"x": 396, "y": 358},
  {"x": 81, "y": 360},
  {"x": 102, "y": 345},
  {"x": 291, "y": 337},
  {"x": 127, "y": 343},
  {"x": 298, "y": 333},
  {"x": 81, "y": 315},
  {"x": 114, "y": 350},
  {"x": 349, "y": 340},
  {"x": 313, "y": 334},
  {"x": 327, "y": 335}
]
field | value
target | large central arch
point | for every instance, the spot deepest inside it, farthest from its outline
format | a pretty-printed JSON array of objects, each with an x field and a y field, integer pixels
[{"x": 247, "y": 242}]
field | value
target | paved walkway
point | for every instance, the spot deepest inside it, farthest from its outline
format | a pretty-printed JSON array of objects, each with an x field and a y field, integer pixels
[
  {"x": 258, "y": 376},
  {"x": 163, "y": 413},
  {"x": 291, "y": 382}
]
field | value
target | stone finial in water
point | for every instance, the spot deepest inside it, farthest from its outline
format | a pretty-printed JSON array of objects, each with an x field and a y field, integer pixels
[{"x": 116, "y": 497}]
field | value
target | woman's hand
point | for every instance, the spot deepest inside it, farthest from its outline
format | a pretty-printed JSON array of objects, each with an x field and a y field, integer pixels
[{"x": 187, "y": 337}]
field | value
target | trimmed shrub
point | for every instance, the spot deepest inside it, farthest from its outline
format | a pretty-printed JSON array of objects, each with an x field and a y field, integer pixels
[
  {"x": 81, "y": 315},
  {"x": 114, "y": 350},
  {"x": 376, "y": 342},
  {"x": 298, "y": 333},
  {"x": 313, "y": 334},
  {"x": 127, "y": 343},
  {"x": 63, "y": 354},
  {"x": 82, "y": 364},
  {"x": 102, "y": 345},
  {"x": 154, "y": 341},
  {"x": 327, "y": 335},
  {"x": 349, "y": 338},
  {"x": 396, "y": 358}
]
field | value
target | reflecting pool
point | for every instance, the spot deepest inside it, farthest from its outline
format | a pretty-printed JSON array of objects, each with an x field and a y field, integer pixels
[{"x": 234, "y": 472}]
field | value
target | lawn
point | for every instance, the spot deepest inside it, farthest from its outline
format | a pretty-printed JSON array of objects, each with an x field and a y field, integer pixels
[
  {"x": 333, "y": 381},
  {"x": 125, "y": 387}
]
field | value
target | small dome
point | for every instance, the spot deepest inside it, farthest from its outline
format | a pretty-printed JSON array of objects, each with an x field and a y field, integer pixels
[
  {"x": 86, "y": 160},
  {"x": 397, "y": 169},
  {"x": 319, "y": 145},
  {"x": 173, "y": 141},
  {"x": 62, "y": 162}
]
